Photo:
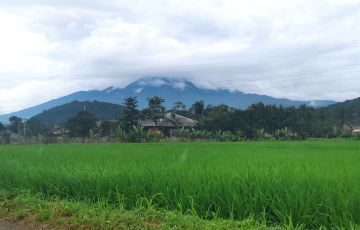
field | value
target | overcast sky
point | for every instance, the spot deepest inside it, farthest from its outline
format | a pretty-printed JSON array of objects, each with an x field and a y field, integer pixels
[{"x": 298, "y": 49}]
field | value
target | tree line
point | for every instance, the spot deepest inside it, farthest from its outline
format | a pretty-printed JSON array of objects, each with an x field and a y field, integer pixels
[{"x": 259, "y": 121}]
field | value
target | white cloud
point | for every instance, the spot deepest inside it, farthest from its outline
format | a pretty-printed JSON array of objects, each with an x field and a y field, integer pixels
[
  {"x": 22, "y": 50},
  {"x": 299, "y": 49}
]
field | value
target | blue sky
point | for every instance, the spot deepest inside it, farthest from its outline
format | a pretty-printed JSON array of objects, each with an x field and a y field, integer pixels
[{"x": 299, "y": 49}]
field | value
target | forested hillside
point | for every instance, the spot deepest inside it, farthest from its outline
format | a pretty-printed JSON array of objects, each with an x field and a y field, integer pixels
[
  {"x": 60, "y": 114},
  {"x": 257, "y": 121},
  {"x": 345, "y": 112}
]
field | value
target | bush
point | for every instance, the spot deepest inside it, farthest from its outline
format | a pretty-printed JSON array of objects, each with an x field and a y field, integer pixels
[
  {"x": 356, "y": 135},
  {"x": 138, "y": 134},
  {"x": 285, "y": 134},
  {"x": 262, "y": 135},
  {"x": 155, "y": 135}
]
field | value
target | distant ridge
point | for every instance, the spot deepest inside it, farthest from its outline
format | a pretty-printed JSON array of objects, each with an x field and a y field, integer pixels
[
  {"x": 171, "y": 90},
  {"x": 60, "y": 114},
  {"x": 348, "y": 111}
]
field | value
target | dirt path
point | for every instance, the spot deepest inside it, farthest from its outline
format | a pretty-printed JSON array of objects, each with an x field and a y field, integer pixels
[{"x": 4, "y": 225}]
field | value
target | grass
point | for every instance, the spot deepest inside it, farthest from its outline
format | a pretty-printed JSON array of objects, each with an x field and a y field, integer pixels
[
  {"x": 69, "y": 214},
  {"x": 310, "y": 184}
]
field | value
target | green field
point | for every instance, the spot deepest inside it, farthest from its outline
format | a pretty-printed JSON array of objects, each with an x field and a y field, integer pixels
[{"x": 309, "y": 183}]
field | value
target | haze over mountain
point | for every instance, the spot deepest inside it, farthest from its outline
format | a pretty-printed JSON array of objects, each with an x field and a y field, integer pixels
[{"x": 171, "y": 90}]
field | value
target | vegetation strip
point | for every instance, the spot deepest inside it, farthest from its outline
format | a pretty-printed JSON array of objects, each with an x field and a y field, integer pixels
[
  {"x": 59, "y": 213},
  {"x": 199, "y": 123}
]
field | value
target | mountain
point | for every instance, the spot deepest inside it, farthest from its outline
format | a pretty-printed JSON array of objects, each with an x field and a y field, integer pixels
[
  {"x": 348, "y": 111},
  {"x": 171, "y": 90},
  {"x": 101, "y": 110}
]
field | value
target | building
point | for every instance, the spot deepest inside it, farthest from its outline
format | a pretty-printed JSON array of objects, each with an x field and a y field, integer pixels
[
  {"x": 356, "y": 132},
  {"x": 170, "y": 122}
]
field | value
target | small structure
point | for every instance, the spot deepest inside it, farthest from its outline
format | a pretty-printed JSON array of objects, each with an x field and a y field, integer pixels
[
  {"x": 170, "y": 122},
  {"x": 356, "y": 132}
]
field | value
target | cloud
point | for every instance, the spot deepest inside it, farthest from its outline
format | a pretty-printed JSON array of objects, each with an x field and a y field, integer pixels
[{"x": 299, "y": 49}]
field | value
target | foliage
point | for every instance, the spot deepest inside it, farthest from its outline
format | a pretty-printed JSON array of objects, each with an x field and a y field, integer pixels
[
  {"x": 40, "y": 210},
  {"x": 2, "y": 127},
  {"x": 155, "y": 110},
  {"x": 195, "y": 135},
  {"x": 308, "y": 183},
  {"x": 345, "y": 112},
  {"x": 198, "y": 107},
  {"x": 15, "y": 124},
  {"x": 138, "y": 134},
  {"x": 35, "y": 127},
  {"x": 135, "y": 134},
  {"x": 81, "y": 124},
  {"x": 155, "y": 135},
  {"x": 262, "y": 135},
  {"x": 5, "y": 135},
  {"x": 60, "y": 114},
  {"x": 121, "y": 133},
  {"x": 179, "y": 107},
  {"x": 131, "y": 113},
  {"x": 285, "y": 134},
  {"x": 261, "y": 121},
  {"x": 356, "y": 135},
  {"x": 107, "y": 128},
  {"x": 258, "y": 122}
]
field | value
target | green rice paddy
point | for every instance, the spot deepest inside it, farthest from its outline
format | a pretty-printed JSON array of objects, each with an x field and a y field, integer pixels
[{"x": 308, "y": 184}]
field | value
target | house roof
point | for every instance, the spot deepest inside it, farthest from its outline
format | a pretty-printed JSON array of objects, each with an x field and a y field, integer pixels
[
  {"x": 349, "y": 127},
  {"x": 171, "y": 120}
]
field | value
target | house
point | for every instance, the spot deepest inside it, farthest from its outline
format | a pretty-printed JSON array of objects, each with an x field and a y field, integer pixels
[{"x": 170, "y": 122}]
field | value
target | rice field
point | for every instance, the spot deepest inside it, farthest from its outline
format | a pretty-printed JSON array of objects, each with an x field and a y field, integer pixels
[{"x": 309, "y": 183}]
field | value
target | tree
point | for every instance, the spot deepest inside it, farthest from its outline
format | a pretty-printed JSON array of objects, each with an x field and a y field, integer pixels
[
  {"x": 216, "y": 118},
  {"x": 36, "y": 127},
  {"x": 179, "y": 106},
  {"x": 81, "y": 124},
  {"x": 2, "y": 127},
  {"x": 340, "y": 116},
  {"x": 198, "y": 107},
  {"x": 5, "y": 135},
  {"x": 15, "y": 124},
  {"x": 155, "y": 110},
  {"x": 131, "y": 113},
  {"x": 107, "y": 128}
]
